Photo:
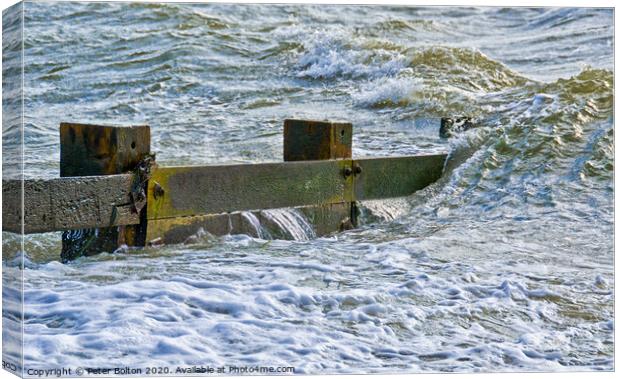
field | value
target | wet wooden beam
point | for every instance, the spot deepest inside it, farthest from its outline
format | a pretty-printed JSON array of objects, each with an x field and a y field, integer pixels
[
  {"x": 179, "y": 229},
  {"x": 200, "y": 190},
  {"x": 380, "y": 178},
  {"x": 68, "y": 203},
  {"x": 103, "y": 201}
]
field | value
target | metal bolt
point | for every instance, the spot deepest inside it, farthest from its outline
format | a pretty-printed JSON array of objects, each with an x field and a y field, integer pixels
[
  {"x": 357, "y": 169},
  {"x": 347, "y": 172},
  {"x": 158, "y": 190}
]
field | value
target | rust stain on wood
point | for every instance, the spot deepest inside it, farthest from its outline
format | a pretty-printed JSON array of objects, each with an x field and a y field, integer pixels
[
  {"x": 87, "y": 149},
  {"x": 306, "y": 140}
]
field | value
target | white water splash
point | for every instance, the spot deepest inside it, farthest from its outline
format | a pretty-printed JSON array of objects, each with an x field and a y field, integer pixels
[
  {"x": 387, "y": 209},
  {"x": 292, "y": 222},
  {"x": 255, "y": 222},
  {"x": 331, "y": 53},
  {"x": 391, "y": 90}
]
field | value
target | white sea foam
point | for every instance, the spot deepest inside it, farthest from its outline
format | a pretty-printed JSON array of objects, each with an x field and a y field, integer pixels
[
  {"x": 387, "y": 209},
  {"x": 335, "y": 53},
  {"x": 390, "y": 90},
  {"x": 278, "y": 310}
]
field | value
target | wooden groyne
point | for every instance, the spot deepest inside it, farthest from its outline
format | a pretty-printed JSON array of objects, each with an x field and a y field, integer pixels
[{"x": 111, "y": 192}]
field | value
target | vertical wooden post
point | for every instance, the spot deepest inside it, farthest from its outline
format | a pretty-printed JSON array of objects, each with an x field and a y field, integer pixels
[
  {"x": 88, "y": 150},
  {"x": 306, "y": 140}
]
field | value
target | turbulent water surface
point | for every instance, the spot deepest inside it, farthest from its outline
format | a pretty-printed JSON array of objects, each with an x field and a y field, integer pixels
[{"x": 506, "y": 263}]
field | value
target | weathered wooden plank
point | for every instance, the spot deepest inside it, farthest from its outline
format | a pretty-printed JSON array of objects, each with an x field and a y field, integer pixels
[
  {"x": 199, "y": 190},
  {"x": 103, "y": 201},
  {"x": 379, "y": 178},
  {"x": 12, "y": 205},
  {"x": 68, "y": 203}
]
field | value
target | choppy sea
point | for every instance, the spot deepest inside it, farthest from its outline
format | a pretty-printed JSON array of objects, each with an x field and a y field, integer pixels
[{"x": 504, "y": 264}]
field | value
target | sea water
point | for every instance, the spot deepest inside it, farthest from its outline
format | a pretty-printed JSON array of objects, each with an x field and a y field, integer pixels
[{"x": 504, "y": 264}]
